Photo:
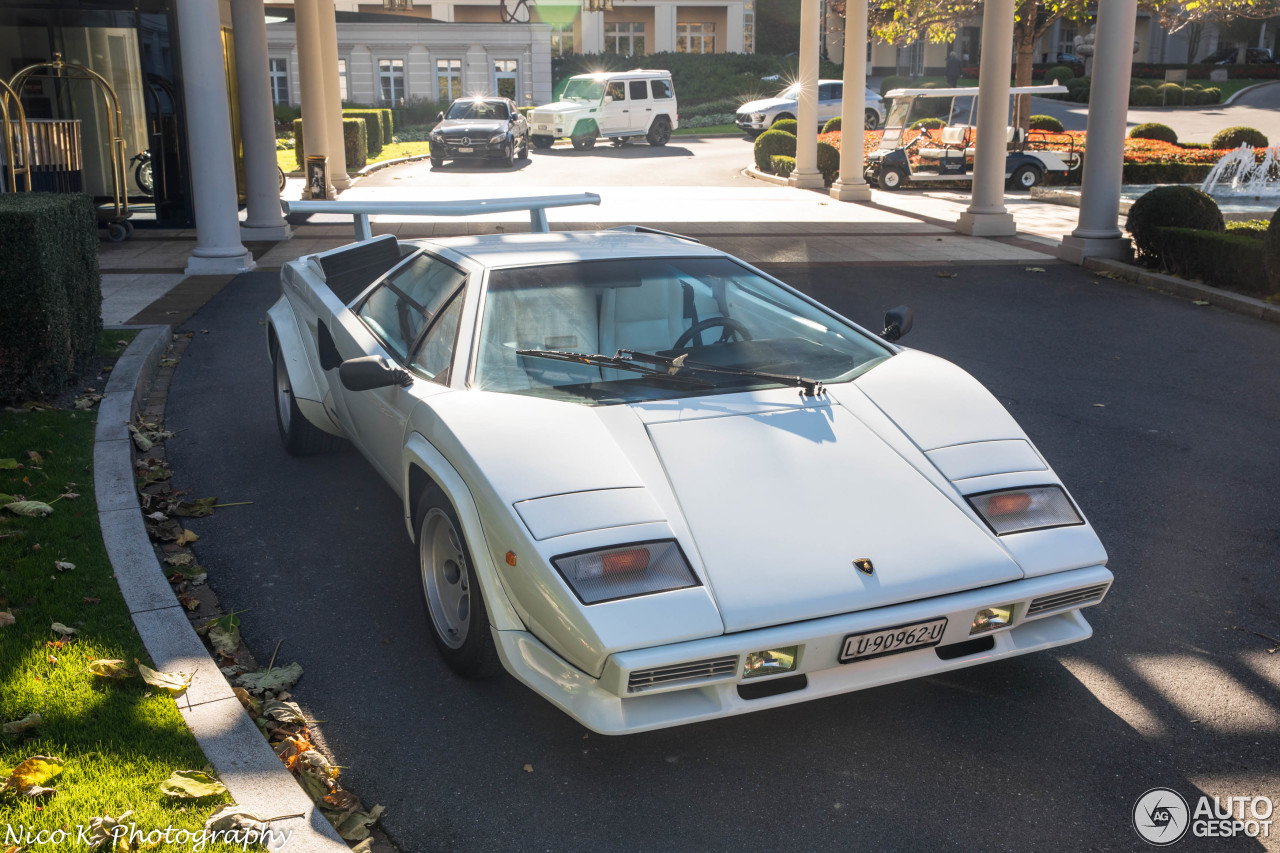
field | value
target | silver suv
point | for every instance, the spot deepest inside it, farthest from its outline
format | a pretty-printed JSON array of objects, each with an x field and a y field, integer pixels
[{"x": 755, "y": 117}]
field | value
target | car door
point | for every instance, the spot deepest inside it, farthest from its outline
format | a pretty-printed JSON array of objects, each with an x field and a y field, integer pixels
[
  {"x": 394, "y": 320},
  {"x": 520, "y": 125},
  {"x": 640, "y": 105},
  {"x": 615, "y": 115},
  {"x": 830, "y": 101}
]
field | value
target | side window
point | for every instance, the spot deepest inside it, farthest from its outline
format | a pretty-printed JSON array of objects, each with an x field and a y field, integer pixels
[
  {"x": 639, "y": 91},
  {"x": 616, "y": 90},
  {"x": 830, "y": 91},
  {"x": 661, "y": 88},
  {"x": 436, "y": 351},
  {"x": 402, "y": 306}
]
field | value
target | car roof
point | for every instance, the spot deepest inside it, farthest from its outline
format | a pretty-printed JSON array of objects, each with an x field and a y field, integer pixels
[
  {"x": 634, "y": 74},
  {"x": 559, "y": 247}
]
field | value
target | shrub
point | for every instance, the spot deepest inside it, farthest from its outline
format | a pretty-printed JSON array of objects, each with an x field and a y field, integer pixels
[
  {"x": 1170, "y": 207},
  {"x": 284, "y": 115},
  {"x": 1168, "y": 93},
  {"x": 51, "y": 291},
  {"x": 1224, "y": 260},
  {"x": 1155, "y": 130},
  {"x": 1142, "y": 96},
  {"x": 893, "y": 82},
  {"x": 355, "y": 144},
  {"x": 1271, "y": 253},
  {"x": 772, "y": 143},
  {"x": 786, "y": 125},
  {"x": 1061, "y": 73},
  {"x": 1041, "y": 122},
  {"x": 780, "y": 164},
  {"x": 832, "y": 124},
  {"x": 372, "y": 127},
  {"x": 1234, "y": 137},
  {"x": 926, "y": 123},
  {"x": 1255, "y": 228},
  {"x": 828, "y": 162},
  {"x": 1214, "y": 94}
]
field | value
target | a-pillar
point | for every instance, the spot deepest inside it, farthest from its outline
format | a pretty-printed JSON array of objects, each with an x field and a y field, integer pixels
[
  {"x": 326, "y": 16},
  {"x": 1097, "y": 231},
  {"x": 204, "y": 82},
  {"x": 315, "y": 134},
  {"x": 986, "y": 216},
  {"x": 263, "y": 219},
  {"x": 852, "y": 186},
  {"x": 806, "y": 174}
]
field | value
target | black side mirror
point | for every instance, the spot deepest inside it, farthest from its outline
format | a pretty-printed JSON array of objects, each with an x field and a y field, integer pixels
[
  {"x": 897, "y": 322},
  {"x": 372, "y": 371},
  {"x": 440, "y": 116}
]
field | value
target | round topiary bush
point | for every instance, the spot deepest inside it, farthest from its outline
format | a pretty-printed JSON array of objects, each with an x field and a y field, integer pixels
[
  {"x": 832, "y": 124},
  {"x": 893, "y": 82},
  {"x": 828, "y": 162},
  {"x": 772, "y": 143},
  {"x": 782, "y": 166},
  {"x": 1046, "y": 123},
  {"x": 1155, "y": 130},
  {"x": 786, "y": 125},
  {"x": 1142, "y": 96},
  {"x": 1234, "y": 137},
  {"x": 1168, "y": 93},
  {"x": 1078, "y": 90},
  {"x": 1214, "y": 94},
  {"x": 1170, "y": 207},
  {"x": 927, "y": 124},
  {"x": 1271, "y": 253},
  {"x": 1061, "y": 73}
]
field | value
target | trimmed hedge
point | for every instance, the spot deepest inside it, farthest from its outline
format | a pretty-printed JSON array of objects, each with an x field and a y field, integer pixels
[
  {"x": 1234, "y": 137},
  {"x": 1061, "y": 73},
  {"x": 1271, "y": 253},
  {"x": 786, "y": 125},
  {"x": 1155, "y": 130},
  {"x": 780, "y": 164},
  {"x": 832, "y": 124},
  {"x": 1230, "y": 261},
  {"x": 828, "y": 162},
  {"x": 772, "y": 143},
  {"x": 1255, "y": 228},
  {"x": 377, "y": 127},
  {"x": 1170, "y": 207},
  {"x": 1040, "y": 122},
  {"x": 927, "y": 124},
  {"x": 894, "y": 82},
  {"x": 355, "y": 144},
  {"x": 51, "y": 291},
  {"x": 1142, "y": 96}
]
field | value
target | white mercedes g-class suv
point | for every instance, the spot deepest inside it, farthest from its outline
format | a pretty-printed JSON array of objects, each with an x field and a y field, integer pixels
[{"x": 621, "y": 106}]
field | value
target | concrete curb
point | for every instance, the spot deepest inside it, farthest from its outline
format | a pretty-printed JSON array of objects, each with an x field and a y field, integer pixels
[
  {"x": 1236, "y": 96},
  {"x": 245, "y": 762},
  {"x": 753, "y": 172},
  {"x": 382, "y": 164},
  {"x": 1236, "y": 302}
]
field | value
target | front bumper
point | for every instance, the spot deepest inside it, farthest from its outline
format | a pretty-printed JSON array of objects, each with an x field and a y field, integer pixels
[
  {"x": 450, "y": 150},
  {"x": 607, "y": 705},
  {"x": 747, "y": 123}
]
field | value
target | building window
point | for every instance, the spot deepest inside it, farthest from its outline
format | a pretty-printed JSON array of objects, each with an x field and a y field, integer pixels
[
  {"x": 561, "y": 39},
  {"x": 1066, "y": 41},
  {"x": 695, "y": 38},
  {"x": 449, "y": 78},
  {"x": 279, "y": 81},
  {"x": 391, "y": 80},
  {"x": 625, "y": 38},
  {"x": 506, "y": 74},
  {"x": 342, "y": 79}
]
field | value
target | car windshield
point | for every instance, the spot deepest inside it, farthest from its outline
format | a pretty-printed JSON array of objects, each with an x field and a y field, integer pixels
[
  {"x": 583, "y": 90},
  {"x": 714, "y": 311},
  {"x": 481, "y": 110},
  {"x": 791, "y": 93}
]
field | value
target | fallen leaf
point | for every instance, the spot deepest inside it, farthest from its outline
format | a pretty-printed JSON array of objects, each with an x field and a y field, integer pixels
[
  {"x": 189, "y": 601},
  {"x": 283, "y": 712},
  {"x": 29, "y": 509},
  {"x": 186, "y": 537},
  {"x": 157, "y": 516},
  {"x": 33, "y": 773},
  {"x": 69, "y": 495},
  {"x": 947, "y": 274},
  {"x": 173, "y": 683},
  {"x": 355, "y": 827},
  {"x": 102, "y": 829},
  {"x": 17, "y": 727},
  {"x": 110, "y": 669},
  {"x": 168, "y": 362},
  {"x": 63, "y": 565},
  {"x": 252, "y": 705},
  {"x": 36, "y": 458},
  {"x": 528, "y": 768},
  {"x": 9, "y": 464},
  {"x": 340, "y": 801},
  {"x": 62, "y": 629},
  {"x": 275, "y": 679},
  {"x": 1035, "y": 269},
  {"x": 234, "y": 818},
  {"x": 6, "y": 619},
  {"x": 196, "y": 509},
  {"x": 1099, "y": 405},
  {"x": 1201, "y": 302},
  {"x": 144, "y": 444},
  {"x": 87, "y": 401},
  {"x": 88, "y": 600},
  {"x": 181, "y": 560},
  {"x": 192, "y": 785},
  {"x": 224, "y": 640}
]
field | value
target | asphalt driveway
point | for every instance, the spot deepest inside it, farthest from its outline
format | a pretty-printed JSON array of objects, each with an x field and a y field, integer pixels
[{"x": 1161, "y": 417}]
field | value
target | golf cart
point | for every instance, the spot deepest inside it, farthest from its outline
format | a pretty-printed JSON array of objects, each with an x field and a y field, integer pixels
[{"x": 950, "y": 158}]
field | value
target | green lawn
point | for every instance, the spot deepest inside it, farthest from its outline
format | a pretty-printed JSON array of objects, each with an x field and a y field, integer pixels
[
  {"x": 697, "y": 131},
  {"x": 287, "y": 160},
  {"x": 119, "y": 738}
]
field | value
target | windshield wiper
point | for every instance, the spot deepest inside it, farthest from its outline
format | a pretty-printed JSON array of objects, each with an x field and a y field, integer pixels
[
  {"x": 808, "y": 387},
  {"x": 616, "y": 362}
]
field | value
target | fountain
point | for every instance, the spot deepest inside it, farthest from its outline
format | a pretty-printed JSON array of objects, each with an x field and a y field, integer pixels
[{"x": 1240, "y": 174}]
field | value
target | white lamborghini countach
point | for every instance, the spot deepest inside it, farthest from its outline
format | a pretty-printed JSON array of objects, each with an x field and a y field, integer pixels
[{"x": 659, "y": 486}]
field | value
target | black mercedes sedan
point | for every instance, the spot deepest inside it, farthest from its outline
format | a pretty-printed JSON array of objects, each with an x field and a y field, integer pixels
[{"x": 480, "y": 129}]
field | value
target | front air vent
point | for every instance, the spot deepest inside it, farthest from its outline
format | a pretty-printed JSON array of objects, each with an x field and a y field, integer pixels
[
  {"x": 698, "y": 670},
  {"x": 1064, "y": 600}
]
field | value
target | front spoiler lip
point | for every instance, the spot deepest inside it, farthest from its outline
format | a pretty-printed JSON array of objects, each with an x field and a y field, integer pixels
[{"x": 604, "y": 706}]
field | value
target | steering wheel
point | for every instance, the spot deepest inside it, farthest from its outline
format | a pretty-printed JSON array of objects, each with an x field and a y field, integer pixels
[{"x": 730, "y": 325}]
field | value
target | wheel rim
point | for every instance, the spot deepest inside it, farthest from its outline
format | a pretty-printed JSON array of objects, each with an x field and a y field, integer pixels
[
  {"x": 284, "y": 393},
  {"x": 892, "y": 178},
  {"x": 444, "y": 578},
  {"x": 1028, "y": 179},
  {"x": 870, "y": 122}
]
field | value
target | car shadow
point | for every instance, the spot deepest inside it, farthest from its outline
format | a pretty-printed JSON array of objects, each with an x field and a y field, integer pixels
[
  {"x": 483, "y": 165},
  {"x": 630, "y": 151}
]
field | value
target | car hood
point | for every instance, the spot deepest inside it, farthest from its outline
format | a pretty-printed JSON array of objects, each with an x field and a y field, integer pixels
[
  {"x": 781, "y": 504},
  {"x": 766, "y": 104},
  {"x": 473, "y": 127},
  {"x": 564, "y": 107}
]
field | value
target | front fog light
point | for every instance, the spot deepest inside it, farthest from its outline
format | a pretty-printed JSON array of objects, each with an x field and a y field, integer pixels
[
  {"x": 991, "y": 618},
  {"x": 770, "y": 662}
]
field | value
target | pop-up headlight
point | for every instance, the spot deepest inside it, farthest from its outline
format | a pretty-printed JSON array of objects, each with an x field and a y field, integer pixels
[{"x": 638, "y": 569}]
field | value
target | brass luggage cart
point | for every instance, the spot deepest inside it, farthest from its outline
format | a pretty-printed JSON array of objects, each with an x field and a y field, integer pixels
[{"x": 17, "y": 151}]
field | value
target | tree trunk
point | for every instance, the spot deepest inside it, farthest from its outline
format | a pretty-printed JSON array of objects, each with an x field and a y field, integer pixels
[{"x": 1194, "y": 31}]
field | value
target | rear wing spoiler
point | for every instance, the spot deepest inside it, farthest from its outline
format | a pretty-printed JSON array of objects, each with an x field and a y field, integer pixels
[{"x": 362, "y": 210}]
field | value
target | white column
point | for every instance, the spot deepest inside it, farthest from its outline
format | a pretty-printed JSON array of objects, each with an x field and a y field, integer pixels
[
  {"x": 328, "y": 30},
  {"x": 1098, "y": 233},
  {"x": 315, "y": 130},
  {"x": 593, "y": 32},
  {"x": 986, "y": 216},
  {"x": 263, "y": 219},
  {"x": 806, "y": 174},
  {"x": 852, "y": 186},
  {"x": 664, "y": 28},
  {"x": 204, "y": 83},
  {"x": 734, "y": 18}
]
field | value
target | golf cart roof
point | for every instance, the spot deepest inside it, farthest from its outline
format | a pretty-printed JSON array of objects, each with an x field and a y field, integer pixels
[{"x": 973, "y": 90}]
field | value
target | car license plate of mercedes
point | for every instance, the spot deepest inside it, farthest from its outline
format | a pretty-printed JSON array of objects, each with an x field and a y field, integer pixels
[
  {"x": 465, "y": 150},
  {"x": 890, "y": 641}
]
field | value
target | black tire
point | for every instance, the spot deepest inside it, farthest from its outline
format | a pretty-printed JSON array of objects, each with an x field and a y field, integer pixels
[
  {"x": 871, "y": 121},
  {"x": 145, "y": 177},
  {"x": 524, "y": 147},
  {"x": 509, "y": 155},
  {"x": 116, "y": 232},
  {"x": 455, "y": 608},
  {"x": 781, "y": 117},
  {"x": 437, "y": 162},
  {"x": 282, "y": 178},
  {"x": 659, "y": 133},
  {"x": 299, "y": 436},
  {"x": 1025, "y": 177},
  {"x": 542, "y": 143},
  {"x": 892, "y": 177},
  {"x": 584, "y": 141},
  {"x": 752, "y": 134}
]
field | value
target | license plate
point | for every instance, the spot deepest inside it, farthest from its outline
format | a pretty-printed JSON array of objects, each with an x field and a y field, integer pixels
[
  {"x": 543, "y": 127},
  {"x": 890, "y": 641},
  {"x": 465, "y": 150}
]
